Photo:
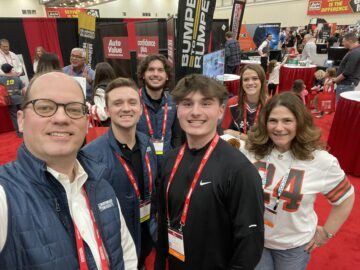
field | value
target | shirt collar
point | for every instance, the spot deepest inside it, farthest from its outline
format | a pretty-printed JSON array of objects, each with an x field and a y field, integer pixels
[{"x": 79, "y": 180}]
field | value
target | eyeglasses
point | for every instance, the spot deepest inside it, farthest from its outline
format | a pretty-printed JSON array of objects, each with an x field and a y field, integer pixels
[
  {"x": 48, "y": 107},
  {"x": 76, "y": 56}
]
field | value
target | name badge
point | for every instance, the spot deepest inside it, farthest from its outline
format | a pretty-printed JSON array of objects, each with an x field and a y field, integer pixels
[
  {"x": 145, "y": 211},
  {"x": 159, "y": 147},
  {"x": 269, "y": 217},
  {"x": 176, "y": 244}
]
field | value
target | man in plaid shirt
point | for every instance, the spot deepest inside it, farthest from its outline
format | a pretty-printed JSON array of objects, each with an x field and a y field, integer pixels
[{"x": 232, "y": 53}]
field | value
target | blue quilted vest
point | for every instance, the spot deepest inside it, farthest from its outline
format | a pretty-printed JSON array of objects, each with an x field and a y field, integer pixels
[
  {"x": 40, "y": 229},
  {"x": 157, "y": 119},
  {"x": 103, "y": 150}
]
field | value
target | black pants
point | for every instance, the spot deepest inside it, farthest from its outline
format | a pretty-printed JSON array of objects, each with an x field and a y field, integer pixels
[
  {"x": 13, "y": 114},
  {"x": 264, "y": 63},
  {"x": 230, "y": 69},
  {"x": 272, "y": 89}
]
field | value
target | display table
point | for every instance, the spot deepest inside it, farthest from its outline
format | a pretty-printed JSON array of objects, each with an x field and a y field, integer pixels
[
  {"x": 231, "y": 81},
  {"x": 344, "y": 142},
  {"x": 289, "y": 73},
  {"x": 5, "y": 120}
]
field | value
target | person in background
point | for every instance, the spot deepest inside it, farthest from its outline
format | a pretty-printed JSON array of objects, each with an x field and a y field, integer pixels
[
  {"x": 210, "y": 197},
  {"x": 8, "y": 57},
  {"x": 348, "y": 73},
  {"x": 56, "y": 207},
  {"x": 79, "y": 68},
  {"x": 299, "y": 88},
  {"x": 131, "y": 159},
  {"x": 333, "y": 40},
  {"x": 16, "y": 89},
  {"x": 264, "y": 51},
  {"x": 290, "y": 41},
  {"x": 39, "y": 51},
  {"x": 274, "y": 75},
  {"x": 104, "y": 74},
  {"x": 309, "y": 51},
  {"x": 242, "y": 111},
  {"x": 285, "y": 147},
  {"x": 232, "y": 53},
  {"x": 48, "y": 62},
  {"x": 158, "y": 119}
]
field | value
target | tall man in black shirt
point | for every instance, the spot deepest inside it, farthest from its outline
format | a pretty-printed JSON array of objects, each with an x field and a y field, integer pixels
[
  {"x": 210, "y": 195},
  {"x": 348, "y": 73}
]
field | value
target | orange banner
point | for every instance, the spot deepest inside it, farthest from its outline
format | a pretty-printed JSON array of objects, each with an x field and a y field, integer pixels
[{"x": 326, "y": 7}]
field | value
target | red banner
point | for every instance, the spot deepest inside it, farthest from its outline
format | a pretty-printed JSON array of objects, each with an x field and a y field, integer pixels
[
  {"x": 116, "y": 47},
  {"x": 146, "y": 45},
  {"x": 325, "y": 7},
  {"x": 70, "y": 12}
]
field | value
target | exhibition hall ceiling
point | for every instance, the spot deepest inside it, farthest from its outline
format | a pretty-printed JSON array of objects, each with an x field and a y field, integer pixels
[{"x": 73, "y": 3}]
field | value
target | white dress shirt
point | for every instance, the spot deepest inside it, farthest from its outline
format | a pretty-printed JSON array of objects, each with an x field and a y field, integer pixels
[
  {"x": 11, "y": 59},
  {"x": 81, "y": 217}
]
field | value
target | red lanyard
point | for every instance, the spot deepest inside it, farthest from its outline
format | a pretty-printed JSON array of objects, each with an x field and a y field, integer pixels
[
  {"x": 195, "y": 180},
  {"x": 146, "y": 112},
  {"x": 258, "y": 109},
  {"x": 132, "y": 177},
  {"x": 80, "y": 243}
]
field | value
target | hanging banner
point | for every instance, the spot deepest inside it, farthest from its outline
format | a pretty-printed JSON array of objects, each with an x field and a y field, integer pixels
[
  {"x": 194, "y": 23},
  {"x": 147, "y": 38},
  {"x": 236, "y": 17},
  {"x": 87, "y": 35},
  {"x": 70, "y": 12},
  {"x": 326, "y": 7},
  {"x": 116, "y": 47},
  {"x": 170, "y": 30},
  {"x": 146, "y": 45}
]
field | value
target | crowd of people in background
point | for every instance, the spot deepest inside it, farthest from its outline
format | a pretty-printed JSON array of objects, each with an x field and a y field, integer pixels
[{"x": 161, "y": 178}]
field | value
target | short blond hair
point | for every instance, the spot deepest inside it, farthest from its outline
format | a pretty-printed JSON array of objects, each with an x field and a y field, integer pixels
[{"x": 320, "y": 74}]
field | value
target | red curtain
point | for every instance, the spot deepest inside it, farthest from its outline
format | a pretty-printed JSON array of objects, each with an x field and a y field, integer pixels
[{"x": 42, "y": 32}]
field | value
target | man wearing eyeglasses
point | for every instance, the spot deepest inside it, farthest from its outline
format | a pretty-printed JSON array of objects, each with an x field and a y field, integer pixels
[
  {"x": 57, "y": 211},
  {"x": 78, "y": 68}
]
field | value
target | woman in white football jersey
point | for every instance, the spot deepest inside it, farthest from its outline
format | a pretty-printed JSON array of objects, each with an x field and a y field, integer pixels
[{"x": 285, "y": 147}]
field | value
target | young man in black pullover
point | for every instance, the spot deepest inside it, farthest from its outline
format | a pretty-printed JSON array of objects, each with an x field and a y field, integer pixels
[{"x": 210, "y": 195}]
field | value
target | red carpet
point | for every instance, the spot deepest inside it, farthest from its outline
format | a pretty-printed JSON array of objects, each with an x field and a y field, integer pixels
[{"x": 341, "y": 253}]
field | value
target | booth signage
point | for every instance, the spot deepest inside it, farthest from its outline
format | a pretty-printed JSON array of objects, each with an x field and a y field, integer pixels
[
  {"x": 325, "y": 7},
  {"x": 116, "y": 47},
  {"x": 146, "y": 45},
  {"x": 70, "y": 12}
]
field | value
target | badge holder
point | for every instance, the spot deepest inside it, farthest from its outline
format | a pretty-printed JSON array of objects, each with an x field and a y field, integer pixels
[
  {"x": 159, "y": 146},
  {"x": 269, "y": 217},
  {"x": 176, "y": 244},
  {"x": 145, "y": 210}
]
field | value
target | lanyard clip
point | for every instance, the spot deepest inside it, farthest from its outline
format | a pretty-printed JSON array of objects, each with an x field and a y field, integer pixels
[{"x": 181, "y": 227}]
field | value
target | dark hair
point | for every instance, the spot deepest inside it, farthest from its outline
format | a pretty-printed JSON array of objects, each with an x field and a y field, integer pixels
[
  {"x": 307, "y": 137},
  {"x": 298, "y": 86},
  {"x": 144, "y": 64},
  {"x": 36, "y": 55},
  {"x": 263, "y": 95},
  {"x": 351, "y": 36},
  {"x": 38, "y": 75},
  {"x": 104, "y": 73},
  {"x": 119, "y": 82},
  {"x": 48, "y": 62},
  {"x": 197, "y": 82},
  {"x": 268, "y": 34},
  {"x": 229, "y": 34}
]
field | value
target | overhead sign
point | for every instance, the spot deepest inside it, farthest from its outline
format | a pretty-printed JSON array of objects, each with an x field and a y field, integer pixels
[
  {"x": 70, "y": 12},
  {"x": 326, "y": 7}
]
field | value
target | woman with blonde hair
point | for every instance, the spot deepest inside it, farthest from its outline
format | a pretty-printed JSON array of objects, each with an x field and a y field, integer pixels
[{"x": 285, "y": 147}]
